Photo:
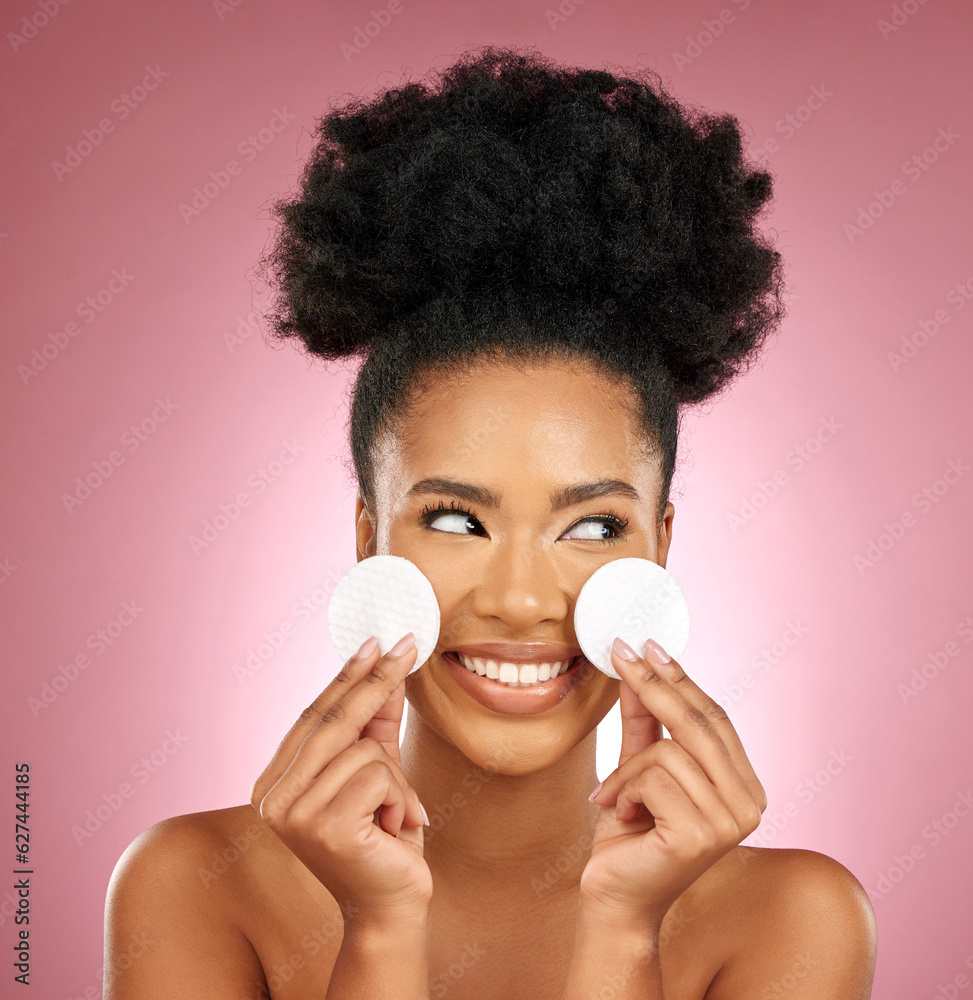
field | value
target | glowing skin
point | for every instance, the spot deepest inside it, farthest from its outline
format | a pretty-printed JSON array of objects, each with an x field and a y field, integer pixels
[
  {"x": 515, "y": 786},
  {"x": 507, "y": 795}
]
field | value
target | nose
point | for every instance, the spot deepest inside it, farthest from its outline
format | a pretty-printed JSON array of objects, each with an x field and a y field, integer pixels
[{"x": 520, "y": 586}]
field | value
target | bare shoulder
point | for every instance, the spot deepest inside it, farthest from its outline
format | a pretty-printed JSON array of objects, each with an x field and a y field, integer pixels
[
  {"x": 193, "y": 851},
  {"x": 793, "y": 920},
  {"x": 214, "y": 840},
  {"x": 173, "y": 916},
  {"x": 760, "y": 869}
]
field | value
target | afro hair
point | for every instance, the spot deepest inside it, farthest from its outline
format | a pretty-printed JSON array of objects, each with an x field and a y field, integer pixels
[{"x": 513, "y": 206}]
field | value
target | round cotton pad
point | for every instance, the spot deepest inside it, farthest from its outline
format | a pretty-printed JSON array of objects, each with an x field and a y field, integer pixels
[
  {"x": 384, "y": 596},
  {"x": 635, "y": 599}
]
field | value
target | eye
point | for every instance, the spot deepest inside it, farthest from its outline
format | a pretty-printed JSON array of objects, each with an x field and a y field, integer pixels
[
  {"x": 598, "y": 526},
  {"x": 451, "y": 520},
  {"x": 454, "y": 523},
  {"x": 455, "y": 520}
]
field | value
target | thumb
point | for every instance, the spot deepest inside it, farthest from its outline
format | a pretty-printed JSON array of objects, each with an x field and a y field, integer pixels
[
  {"x": 385, "y": 724},
  {"x": 640, "y": 728}
]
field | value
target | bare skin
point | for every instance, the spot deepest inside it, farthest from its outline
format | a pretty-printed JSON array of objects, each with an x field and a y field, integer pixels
[{"x": 507, "y": 795}]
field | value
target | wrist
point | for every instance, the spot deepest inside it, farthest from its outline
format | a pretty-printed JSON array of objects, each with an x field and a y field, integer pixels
[
  {"x": 404, "y": 923},
  {"x": 599, "y": 918},
  {"x": 383, "y": 954},
  {"x": 615, "y": 954}
]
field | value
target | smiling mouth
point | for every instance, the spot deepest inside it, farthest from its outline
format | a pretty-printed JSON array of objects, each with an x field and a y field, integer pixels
[{"x": 515, "y": 675}]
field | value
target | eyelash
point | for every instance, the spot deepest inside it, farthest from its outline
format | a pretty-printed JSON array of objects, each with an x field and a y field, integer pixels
[{"x": 619, "y": 523}]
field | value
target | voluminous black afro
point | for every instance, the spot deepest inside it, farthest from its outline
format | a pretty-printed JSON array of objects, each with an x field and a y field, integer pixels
[{"x": 515, "y": 207}]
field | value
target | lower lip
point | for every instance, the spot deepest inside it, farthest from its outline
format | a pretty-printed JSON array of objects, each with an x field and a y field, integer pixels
[{"x": 517, "y": 700}]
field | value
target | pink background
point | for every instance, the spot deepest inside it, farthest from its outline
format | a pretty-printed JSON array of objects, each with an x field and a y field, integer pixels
[{"x": 844, "y": 639}]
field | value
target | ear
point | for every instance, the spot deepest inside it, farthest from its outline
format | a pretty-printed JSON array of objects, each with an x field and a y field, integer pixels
[
  {"x": 364, "y": 530},
  {"x": 665, "y": 534}
]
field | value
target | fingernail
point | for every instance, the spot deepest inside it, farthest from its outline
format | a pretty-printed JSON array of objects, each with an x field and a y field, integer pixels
[
  {"x": 422, "y": 809},
  {"x": 591, "y": 797},
  {"x": 656, "y": 652},
  {"x": 624, "y": 650},
  {"x": 403, "y": 645},
  {"x": 367, "y": 648}
]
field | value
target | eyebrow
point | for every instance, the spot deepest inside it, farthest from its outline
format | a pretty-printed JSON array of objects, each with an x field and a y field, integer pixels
[{"x": 566, "y": 496}]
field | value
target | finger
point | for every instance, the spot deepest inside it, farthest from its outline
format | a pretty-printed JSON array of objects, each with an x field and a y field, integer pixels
[
  {"x": 379, "y": 787},
  {"x": 676, "y": 677},
  {"x": 351, "y": 672},
  {"x": 654, "y": 790},
  {"x": 700, "y": 731},
  {"x": 640, "y": 728},
  {"x": 377, "y": 790},
  {"x": 681, "y": 773},
  {"x": 386, "y": 723},
  {"x": 341, "y": 725},
  {"x": 351, "y": 760},
  {"x": 678, "y": 825},
  {"x": 340, "y": 811}
]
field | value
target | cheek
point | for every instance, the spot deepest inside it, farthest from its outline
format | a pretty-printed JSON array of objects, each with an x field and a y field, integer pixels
[
  {"x": 449, "y": 573},
  {"x": 414, "y": 686}
]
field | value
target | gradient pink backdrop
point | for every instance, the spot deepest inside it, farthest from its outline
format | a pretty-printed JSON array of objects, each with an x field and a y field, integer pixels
[{"x": 852, "y": 768}]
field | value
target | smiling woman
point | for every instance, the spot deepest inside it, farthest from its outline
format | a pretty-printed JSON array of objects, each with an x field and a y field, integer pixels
[{"x": 537, "y": 266}]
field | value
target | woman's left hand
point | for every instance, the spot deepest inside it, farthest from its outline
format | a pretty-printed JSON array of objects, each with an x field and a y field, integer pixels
[{"x": 672, "y": 807}]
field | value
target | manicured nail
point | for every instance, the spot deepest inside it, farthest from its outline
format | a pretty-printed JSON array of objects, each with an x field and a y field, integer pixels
[
  {"x": 403, "y": 645},
  {"x": 656, "y": 652},
  {"x": 367, "y": 648},
  {"x": 591, "y": 797},
  {"x": 422, "y": 809},
  {"x": 624, "y": 650}
]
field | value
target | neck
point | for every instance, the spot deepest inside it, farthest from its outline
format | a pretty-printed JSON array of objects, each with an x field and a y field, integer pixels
[{"x": 501, "y": 835}]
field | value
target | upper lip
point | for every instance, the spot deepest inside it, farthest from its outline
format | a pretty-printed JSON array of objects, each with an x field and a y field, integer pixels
[{"x": 518, "y": 652}]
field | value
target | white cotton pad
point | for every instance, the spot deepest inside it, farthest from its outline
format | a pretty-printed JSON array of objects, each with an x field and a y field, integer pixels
[
  {"x": 635, "y": 599},
  {"x": 384, "y": 596}
]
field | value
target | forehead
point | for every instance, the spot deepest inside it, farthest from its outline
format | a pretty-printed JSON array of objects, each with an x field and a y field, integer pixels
[{"x": 515, "y": 427}]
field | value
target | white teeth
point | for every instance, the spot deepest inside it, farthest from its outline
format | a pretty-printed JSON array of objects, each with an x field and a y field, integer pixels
[
  {"x": 510, "y": 674},
  {"x": 528, "y": 673}
]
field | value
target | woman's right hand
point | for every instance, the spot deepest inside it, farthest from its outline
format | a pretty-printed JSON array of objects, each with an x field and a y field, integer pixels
[{"x": 336, "y": 795}]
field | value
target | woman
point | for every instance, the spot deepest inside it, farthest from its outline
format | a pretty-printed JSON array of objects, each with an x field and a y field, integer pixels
[{"x": 538, "y": 266}]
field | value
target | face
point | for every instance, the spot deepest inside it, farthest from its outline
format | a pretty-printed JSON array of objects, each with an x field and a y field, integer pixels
[{"x": 481, "y": 489}]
